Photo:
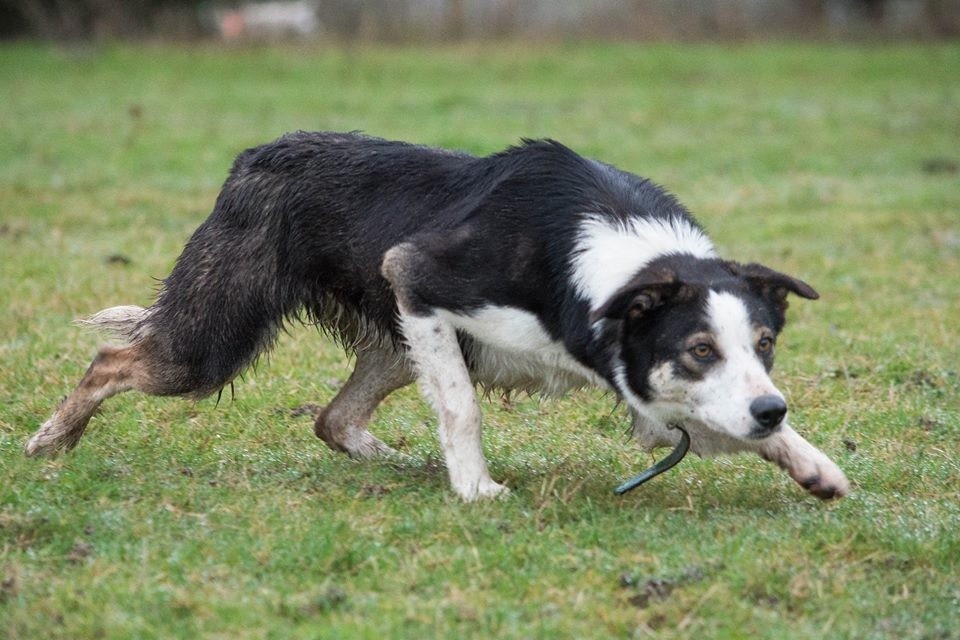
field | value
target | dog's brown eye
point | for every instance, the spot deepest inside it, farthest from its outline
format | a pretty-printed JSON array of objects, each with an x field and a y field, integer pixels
[
  {"x": 765, "y": 344},
  {"x": 702, "y": 351}
]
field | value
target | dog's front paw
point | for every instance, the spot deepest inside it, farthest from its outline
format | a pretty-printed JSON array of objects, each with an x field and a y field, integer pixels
[
  {"x": 819, "y": 475},
  {"x": 827, "y": 482},
  {"x": 483, "y": 490},
  {"x": 806, "y": 464}
]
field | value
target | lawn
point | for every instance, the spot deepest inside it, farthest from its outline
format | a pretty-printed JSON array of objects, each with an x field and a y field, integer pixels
[{"x": 838, "y": 164}]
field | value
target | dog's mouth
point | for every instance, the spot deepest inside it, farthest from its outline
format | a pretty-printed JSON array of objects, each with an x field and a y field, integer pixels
[{"x": 760, "y": 432}]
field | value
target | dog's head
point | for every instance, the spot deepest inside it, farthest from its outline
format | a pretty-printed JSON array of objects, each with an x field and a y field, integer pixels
[{"x": 697, "y": 342}]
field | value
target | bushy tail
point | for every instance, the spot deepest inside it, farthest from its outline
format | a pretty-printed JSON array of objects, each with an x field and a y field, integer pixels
[{"x": 125, "y": 322}]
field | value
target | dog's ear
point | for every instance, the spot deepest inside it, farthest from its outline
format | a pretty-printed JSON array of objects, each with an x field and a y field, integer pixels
[
  {"x": 639, "y": 296},
  {"x": 771, "y": 284}
]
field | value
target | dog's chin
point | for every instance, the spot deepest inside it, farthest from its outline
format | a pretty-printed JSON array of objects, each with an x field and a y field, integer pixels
[{"x": 762, "y": 433}]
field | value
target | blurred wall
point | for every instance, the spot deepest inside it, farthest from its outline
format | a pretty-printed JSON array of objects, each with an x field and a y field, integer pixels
[{"x": 438, "y": 20}]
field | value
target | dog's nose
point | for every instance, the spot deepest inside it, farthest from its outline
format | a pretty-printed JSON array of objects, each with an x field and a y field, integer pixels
[{"x": 768, "y": 411}]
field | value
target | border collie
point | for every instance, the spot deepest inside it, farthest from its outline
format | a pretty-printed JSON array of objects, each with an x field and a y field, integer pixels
[{"x": 533, "y": 269}]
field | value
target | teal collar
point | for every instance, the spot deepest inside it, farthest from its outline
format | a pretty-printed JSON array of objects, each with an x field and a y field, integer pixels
[{"x": 667, "y": 463}]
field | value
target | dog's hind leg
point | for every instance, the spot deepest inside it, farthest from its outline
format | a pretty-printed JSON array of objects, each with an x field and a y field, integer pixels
[
  {"x": 113, "y": 371},
  {"x": 342, "y": 424}
]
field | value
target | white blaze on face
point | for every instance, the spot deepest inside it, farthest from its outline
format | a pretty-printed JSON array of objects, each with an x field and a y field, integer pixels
[
  {"x": 722, "y": 399},
  {"x": 731, "y": 327}
]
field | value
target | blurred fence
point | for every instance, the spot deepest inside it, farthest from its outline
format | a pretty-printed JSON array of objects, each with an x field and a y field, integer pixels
[{"x": 440, "y": 20}]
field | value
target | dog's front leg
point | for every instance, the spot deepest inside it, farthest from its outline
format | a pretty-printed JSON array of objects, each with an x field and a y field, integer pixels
[
  {"x": 445, "y": 381},
  {"x": 438, "y": 363},
  {"x": 806, "y": 464}
]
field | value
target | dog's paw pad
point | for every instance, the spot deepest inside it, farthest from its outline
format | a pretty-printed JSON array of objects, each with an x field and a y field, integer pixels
[{"x": 825, "y": 490}]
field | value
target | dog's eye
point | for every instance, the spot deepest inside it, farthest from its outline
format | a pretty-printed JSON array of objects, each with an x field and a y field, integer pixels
[
  {"x": 765, "y": 344},
  {"x": 702, "y": 351}
]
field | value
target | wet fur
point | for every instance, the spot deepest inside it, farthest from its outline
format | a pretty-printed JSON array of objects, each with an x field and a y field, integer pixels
[{"x": 533, "y": 268}]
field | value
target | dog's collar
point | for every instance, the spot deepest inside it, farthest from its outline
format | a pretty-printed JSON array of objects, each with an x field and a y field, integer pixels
[{"x": 664, "y": 465}]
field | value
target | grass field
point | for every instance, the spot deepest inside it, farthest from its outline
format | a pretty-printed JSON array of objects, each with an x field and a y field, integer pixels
[{"x": 175, "y": 519}]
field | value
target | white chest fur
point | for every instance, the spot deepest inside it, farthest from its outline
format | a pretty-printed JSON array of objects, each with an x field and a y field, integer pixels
[{"x": 512, "y": 350}]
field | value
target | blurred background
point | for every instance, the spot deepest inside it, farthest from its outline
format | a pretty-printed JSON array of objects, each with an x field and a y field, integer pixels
[{"x": 452, "y": 20}]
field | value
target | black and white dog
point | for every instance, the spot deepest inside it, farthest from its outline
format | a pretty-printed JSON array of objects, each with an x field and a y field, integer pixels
[{"x": 533, "y": 269}]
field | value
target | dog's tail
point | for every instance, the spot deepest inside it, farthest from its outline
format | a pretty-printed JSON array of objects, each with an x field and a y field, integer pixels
[{"x": 124, "y": 322}]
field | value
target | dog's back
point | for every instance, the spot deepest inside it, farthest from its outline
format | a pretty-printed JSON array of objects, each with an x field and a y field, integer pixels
[{"x": 303, "y": 223}]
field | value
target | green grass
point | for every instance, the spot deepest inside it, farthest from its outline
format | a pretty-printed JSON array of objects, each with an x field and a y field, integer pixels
[{"x": 178, "y": 519}]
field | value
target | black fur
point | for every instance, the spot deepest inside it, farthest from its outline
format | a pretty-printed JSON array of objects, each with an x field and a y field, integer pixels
[{"x": 302, "y": 224}]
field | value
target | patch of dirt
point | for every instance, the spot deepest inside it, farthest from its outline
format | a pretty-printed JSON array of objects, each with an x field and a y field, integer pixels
[
  {"x": 81, "y": 550},
  {"x": 118, "y": 259},
  {"x": 9, "y": 588},
  {"x": 940, "y": 165},
  {"x": 309, "y": 409},
  {"x": 310, "y": 605},
  {"x": 24, "y": 532},
  {"x": 922, "y": 379},
  {"x": 10, "y": 231},
  {"x": 653, "y": 589},
  {"x": 763, "y": 598},
  {"x": 374, "y": 490}
]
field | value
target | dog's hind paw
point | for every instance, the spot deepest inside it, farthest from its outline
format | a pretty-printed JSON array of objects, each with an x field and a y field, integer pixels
[
  {"x": 364, "y": 445},
  {"x": 47, "y": 441}
]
